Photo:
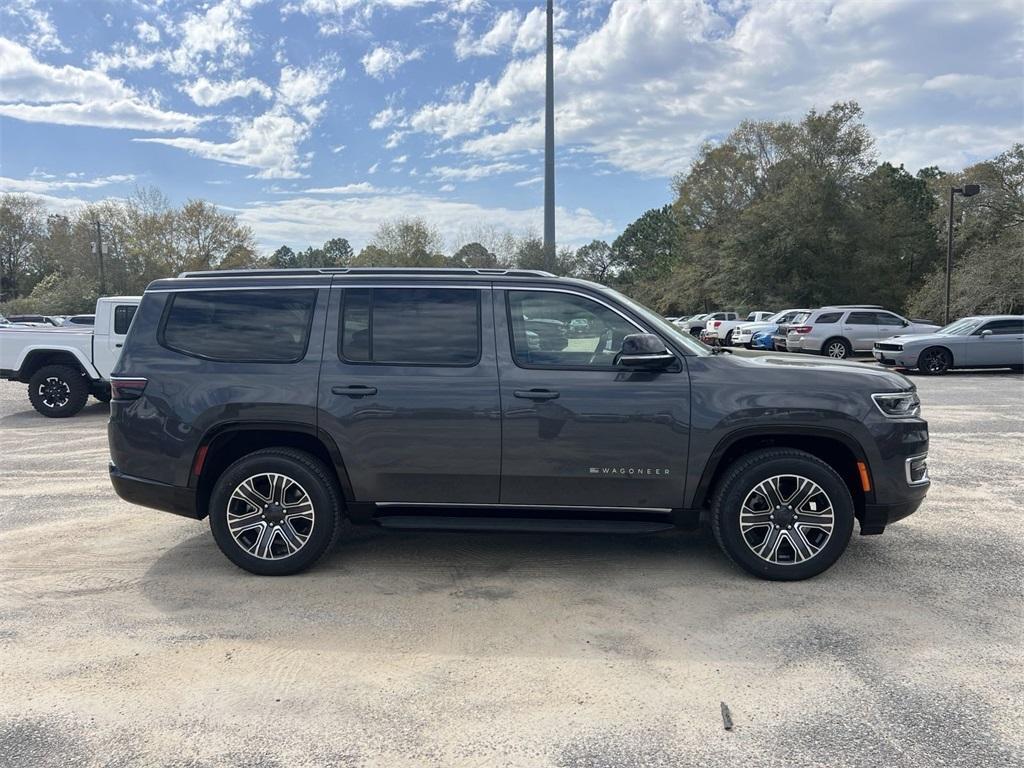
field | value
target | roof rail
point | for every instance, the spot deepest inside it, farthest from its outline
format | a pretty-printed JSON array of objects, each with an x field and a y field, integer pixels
[{"x": 368, "y": 271}]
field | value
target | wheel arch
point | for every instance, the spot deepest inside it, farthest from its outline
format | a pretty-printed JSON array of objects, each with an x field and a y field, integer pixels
[
  {"x": 40, "y": 357},
  {"x": 224, "y": 444},
  {"x": 839, "y": 450}
]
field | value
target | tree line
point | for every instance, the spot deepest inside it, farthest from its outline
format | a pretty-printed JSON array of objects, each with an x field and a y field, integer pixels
[{"x": 778, "y": 214}]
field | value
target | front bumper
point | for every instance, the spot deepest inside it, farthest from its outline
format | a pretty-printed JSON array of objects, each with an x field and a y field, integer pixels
[
  {"x": 155, "y": 495},
  {"x": 875, "y": 517},
  {"x": 894, "y": 359}
]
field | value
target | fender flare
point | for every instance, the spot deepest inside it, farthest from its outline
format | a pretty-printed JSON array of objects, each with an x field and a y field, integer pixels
[
  {"x": 80, "y": 357},
  {"x": 730, "y": 439}
]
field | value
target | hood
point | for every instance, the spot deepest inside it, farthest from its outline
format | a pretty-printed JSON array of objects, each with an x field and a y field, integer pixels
[
  {"x": 755, "y": 327},
  {"x": 911, "y": 337},
  {"x": 868, "y": 374}
]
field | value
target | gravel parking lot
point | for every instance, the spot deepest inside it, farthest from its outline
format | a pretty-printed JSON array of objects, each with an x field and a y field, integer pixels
[{"x": 128, "y": 639}]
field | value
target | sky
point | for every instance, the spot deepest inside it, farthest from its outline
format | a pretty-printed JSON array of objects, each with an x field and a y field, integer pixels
[{"x": 313, "y": 119}]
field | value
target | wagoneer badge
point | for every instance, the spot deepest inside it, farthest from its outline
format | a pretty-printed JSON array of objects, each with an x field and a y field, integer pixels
[{"x": 630, "y": 471}]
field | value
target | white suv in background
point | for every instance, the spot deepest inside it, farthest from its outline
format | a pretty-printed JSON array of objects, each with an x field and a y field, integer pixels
[
  {"x": 838, "y": 332},
  {"x": 725, "y": 330}
]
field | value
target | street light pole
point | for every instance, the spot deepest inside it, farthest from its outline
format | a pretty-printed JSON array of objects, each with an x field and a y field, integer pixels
[
  {"x": 967, "y": 190},
  {"x": 549, "y": 143}
]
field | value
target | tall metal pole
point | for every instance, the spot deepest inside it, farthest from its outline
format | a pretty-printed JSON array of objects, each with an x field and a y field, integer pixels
[
  {"x": 949, "y": 253},
  {"x": 99, "y": 254},
  {"x": 549, "y": 143}
]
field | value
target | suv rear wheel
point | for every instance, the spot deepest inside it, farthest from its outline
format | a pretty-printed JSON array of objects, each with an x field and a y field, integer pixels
[
  {"x": 58, "y": 391},
  {"x": 276, "y": 511},
  {"x": 782, "y": 514},
  {"x": 839, "y": 349}
]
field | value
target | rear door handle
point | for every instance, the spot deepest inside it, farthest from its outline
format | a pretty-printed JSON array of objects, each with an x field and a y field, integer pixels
[
  {"x": 536, "y": 394},
  {"x": 355, "y": 390},
  {"x": 119, "y": 345}
]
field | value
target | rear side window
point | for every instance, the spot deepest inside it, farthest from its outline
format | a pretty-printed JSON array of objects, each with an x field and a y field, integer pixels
[
  {"x": 122, "y": 318},
  {"x": 411, "y": 326},
  {"x": 829, "y": 317},
  {"x": 862, "y": 318},
  {"x": 258, "y": 326}
]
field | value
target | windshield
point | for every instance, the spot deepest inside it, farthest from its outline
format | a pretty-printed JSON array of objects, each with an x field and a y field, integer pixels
[
  {"x": 668, "y": 329},
  {"x": 960, "y": 327}
]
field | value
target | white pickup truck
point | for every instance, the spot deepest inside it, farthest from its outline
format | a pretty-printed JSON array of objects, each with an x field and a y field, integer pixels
[
  {"x": 63, "y": 366},
  {"x": 722, "y": 329}
]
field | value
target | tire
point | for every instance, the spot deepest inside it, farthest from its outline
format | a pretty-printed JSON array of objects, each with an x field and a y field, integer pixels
[
  {"x": 270, "y": 541},
  {"x": 801, "y": 551},
  {"x": 934, "y": 361},
  {"x": 58, "y": 391},
  {"x": 728, "y": 339},
  {"x": 836, "y": 348}
]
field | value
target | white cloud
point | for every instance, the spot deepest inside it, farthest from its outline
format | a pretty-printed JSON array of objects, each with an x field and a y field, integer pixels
[
  {"x": 390, "y": 115},
  {"x": 401, "y": 160},
  {"x": 311, "y": 220},
  {"x": 643, "y": 88},
  {"x": 208, "y": 94},
  {"x": 215, "y": 38},
  {"x": 511, "y": 29},
  {"x": 474, "y": 172},
  {"x": 147, "y": 32},
  {"x": 45, "y": 183},
  {"x": 270, "y": 143},
  {"x": 358, "y": 188},
  {"x": 40, "y": 32},
  {"x": 385, "y": 60},
  {"x": 36, "y": 92}
]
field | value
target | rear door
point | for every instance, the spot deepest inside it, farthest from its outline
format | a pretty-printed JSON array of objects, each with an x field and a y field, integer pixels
[
  {"x": 861, "y": 329},
  {"x": 409, "y": 391},
  {"x": 577, "y": 431}
]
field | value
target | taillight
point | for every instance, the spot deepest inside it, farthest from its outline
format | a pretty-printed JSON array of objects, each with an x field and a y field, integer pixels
[
  {"x": 126, "y": 389},
  {"x": 717, "y": 323},
  {"x": 801, "y": 328}
]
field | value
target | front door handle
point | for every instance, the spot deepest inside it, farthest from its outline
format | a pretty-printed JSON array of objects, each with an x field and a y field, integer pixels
[
  {"x": 536, "y": 394},
  {"x": 119, "y": 345},
  {"x": 355, "y": 390}
]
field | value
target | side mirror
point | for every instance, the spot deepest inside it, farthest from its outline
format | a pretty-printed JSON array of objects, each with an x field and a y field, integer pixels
[
  {"x": 986, "y": 333},
  {"x": 645, "y": 351}
]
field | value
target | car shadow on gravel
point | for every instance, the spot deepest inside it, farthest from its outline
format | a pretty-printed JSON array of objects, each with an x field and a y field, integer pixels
[{"x": 93, "y": 412}]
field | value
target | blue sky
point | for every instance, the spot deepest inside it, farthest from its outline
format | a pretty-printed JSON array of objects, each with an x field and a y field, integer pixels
[{"x": 318, "y": 118}]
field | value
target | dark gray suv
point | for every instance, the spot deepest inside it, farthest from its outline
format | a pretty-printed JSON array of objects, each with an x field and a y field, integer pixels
[{"x": 277, "y": 403}]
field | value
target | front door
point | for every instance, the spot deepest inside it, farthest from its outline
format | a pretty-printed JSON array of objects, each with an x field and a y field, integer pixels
[
  {"x": 1003, "y": 346},
  {"x": 577, "y": 431},
  {"x": 889, "y": 325},
  {"x": 409, "y": 392}
]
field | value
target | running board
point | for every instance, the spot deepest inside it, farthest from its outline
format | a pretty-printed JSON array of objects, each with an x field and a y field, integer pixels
[{"x": 517, "y": 524}]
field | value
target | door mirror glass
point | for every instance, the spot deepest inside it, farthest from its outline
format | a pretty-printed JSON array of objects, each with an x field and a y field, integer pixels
[{"x": 644, "y": 350}]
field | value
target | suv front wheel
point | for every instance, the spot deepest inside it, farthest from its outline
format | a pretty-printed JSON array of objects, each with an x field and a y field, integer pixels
[
  {"x": 782, "y": 514},
  {"x": 276, "y": 511}
]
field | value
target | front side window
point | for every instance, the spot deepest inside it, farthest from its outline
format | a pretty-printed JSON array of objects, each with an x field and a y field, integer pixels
[
  {"x": 411, "y": 326},
  {"x": 862, "y": 318},
  {"x": 887, "y": 318},
  {"x": 122, "y": 318},
  {"x": 257, "y": 326},
  {"x": 1003, "y": 327},
  {"x": 563, "y": 330}
]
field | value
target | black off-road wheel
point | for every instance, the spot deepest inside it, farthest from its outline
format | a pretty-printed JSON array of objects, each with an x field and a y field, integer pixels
[
  {"x": 935, "y": 361},
  {"x": 58, "y": 391},
  {"x": 782, "y": 514},
  {"x": 276, "y": 512}
]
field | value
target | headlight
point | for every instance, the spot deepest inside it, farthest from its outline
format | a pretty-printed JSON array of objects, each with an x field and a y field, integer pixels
[{"x": 898, "y": 404}]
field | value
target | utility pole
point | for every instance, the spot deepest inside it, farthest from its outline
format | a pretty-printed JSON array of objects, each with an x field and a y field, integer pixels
[
  {"x": 549, "y": 143},
  {"x": 99, "y": 255},
  {"x": 967, "y": 190}
]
